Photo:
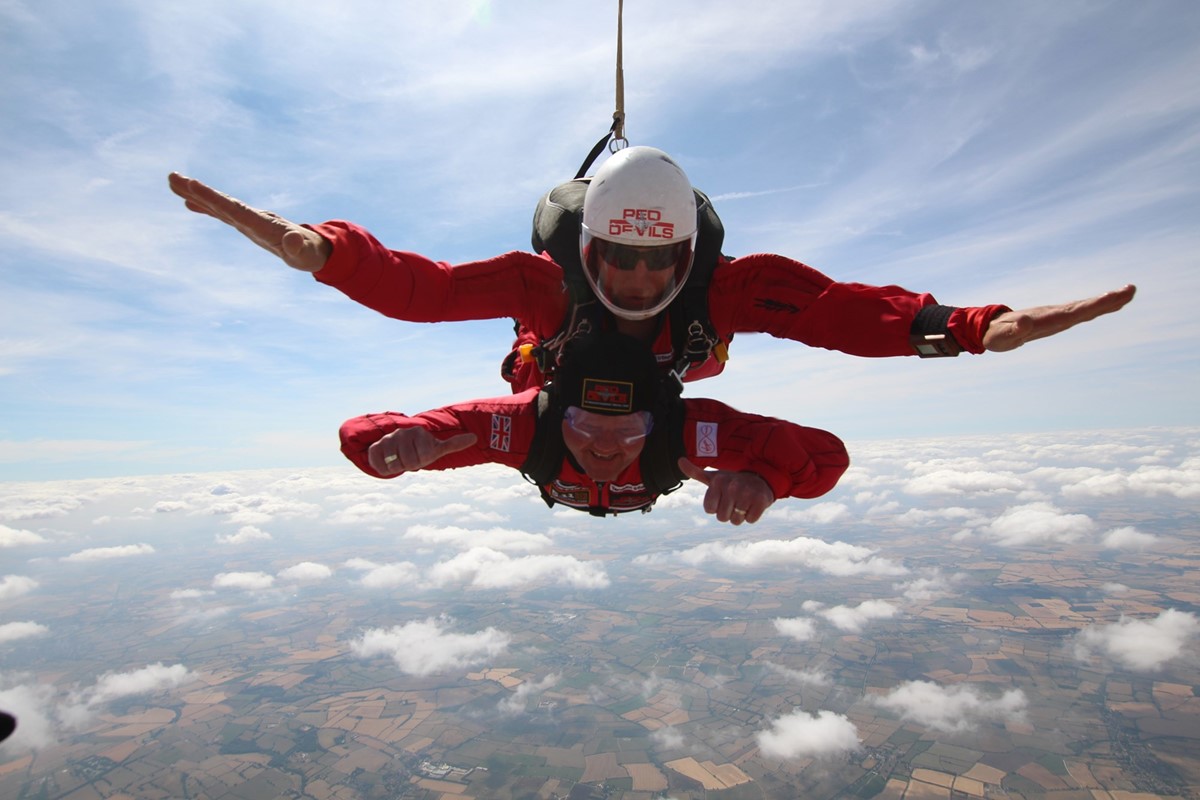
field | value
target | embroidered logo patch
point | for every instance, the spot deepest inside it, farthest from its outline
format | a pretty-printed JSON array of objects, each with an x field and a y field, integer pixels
[
  {"x": 647, "y": 223},
  {"x": 611, "y": 396},
  {"x": 570, "y": 494},
  {"x": 706, "y": 439},
  {"x": 501, "y": 433}
]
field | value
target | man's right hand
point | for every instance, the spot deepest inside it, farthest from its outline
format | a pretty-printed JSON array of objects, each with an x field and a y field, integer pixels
[
  {"x": 298, "y": 246},
  {"x": 409, "y": 449}
]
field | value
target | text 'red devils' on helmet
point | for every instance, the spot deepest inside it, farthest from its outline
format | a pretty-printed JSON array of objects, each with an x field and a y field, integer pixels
[{"x": 639, "y": 232}]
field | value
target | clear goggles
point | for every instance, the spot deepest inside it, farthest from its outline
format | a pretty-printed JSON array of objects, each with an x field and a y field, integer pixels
[{"x": 628, "y": 429}]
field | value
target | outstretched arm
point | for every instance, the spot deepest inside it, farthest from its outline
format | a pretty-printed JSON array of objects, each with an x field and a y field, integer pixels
[
  {"x": 298, "y": 247},
  {"x": 1011, "y": 329},
  {"x": 461, "y": 435},
  {"x": 389, "y": 444}
]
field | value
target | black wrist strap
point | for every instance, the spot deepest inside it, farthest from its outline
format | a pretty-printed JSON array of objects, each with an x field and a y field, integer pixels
[{"x": 930, "y": 334}]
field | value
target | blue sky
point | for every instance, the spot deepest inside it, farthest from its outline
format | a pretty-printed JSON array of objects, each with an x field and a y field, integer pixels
[{"x": 1018, "y": 152}]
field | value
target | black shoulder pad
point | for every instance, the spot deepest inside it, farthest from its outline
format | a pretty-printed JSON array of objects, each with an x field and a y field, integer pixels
[
  {"x": 659, "y": 461},
  {"x": 547, "y": 450},
  {"x": 557, "y": 225},
  {"x": 710, "y": 239}
]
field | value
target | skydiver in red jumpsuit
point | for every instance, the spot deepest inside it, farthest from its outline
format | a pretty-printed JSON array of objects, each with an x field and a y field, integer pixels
[{"x": 639, "y": 226}]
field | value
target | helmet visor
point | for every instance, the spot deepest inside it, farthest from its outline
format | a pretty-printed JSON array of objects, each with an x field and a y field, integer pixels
[{"x": 636, "y": 281}]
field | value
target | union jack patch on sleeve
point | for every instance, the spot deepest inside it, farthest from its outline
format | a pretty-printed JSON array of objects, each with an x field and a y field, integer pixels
[{"x": 501, "y": 432}]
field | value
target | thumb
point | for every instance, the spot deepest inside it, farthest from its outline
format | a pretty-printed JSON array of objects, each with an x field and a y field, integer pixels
[
  {"x": 694, "y": 472},
  {"x": 455, "y": 443}
]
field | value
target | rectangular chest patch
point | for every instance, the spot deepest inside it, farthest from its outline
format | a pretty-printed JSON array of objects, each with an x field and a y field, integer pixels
[
  {"x": 501, "y": 433},
  {"x": 706, "y": 439}
]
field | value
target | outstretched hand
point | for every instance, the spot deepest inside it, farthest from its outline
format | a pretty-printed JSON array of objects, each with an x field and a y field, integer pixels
[
  {"x": 734, "y": 497},
  {"x": 1010, "y": 330},
  {"x": 299, "y": 247},
  {"x": 409, "y": 449}
]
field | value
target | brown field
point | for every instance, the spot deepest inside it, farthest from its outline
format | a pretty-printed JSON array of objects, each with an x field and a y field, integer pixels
[
  {"x": 711, "y": 776},
  {"x": 934, "y": 777},
  {"x": 646, "y": 778},
  {"x": 919, "y": 790},
  {"x": 601, "y": 766},
  {"x": 985, "y": 774}
]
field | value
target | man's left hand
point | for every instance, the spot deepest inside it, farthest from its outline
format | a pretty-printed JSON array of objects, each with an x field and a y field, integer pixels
[
  {"x": 1010, "y": 330},
  {"x": 734, "y": 497}
]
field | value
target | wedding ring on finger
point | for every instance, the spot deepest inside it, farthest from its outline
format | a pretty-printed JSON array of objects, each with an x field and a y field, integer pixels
[
  {"x": 390, "y": 459},
  {"x": 740, "y": 511}
]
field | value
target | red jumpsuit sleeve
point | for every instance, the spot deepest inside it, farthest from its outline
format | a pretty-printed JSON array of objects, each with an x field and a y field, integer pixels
[
  {"x": 413, "y": 288},
  {"x": 795, "y": 461},
  {"x": 503, "y": 428},
  {"x": 774, "y": 294}
]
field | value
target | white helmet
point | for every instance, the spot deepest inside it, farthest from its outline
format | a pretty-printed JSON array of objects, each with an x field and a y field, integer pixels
[{"x": 639, "y": 209}]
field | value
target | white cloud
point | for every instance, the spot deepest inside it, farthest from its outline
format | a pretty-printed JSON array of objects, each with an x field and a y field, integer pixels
[
  {"x": 244, "y": 535},
  {"x": 800, "y": 734},
  {"x": 153, "y": 678},
  {"x": 1145, "y": 645},
  {"x": 105, "y": 553},
  {"x": 837, "y": 558},
  {"x": 799, "y": 628},
  {"x": 855, "y": 618},
  {"x": 806, "y": 677},
  {"x": 971, "y": 482},
  {"x": 371, "y": 512},
  {"x": 189, "y": 594},
  {"x": 34, "y": 505},
  {"x": 425, "y": 647},
  {"x": 920, "y": 590},
  {"x": 1128, "y": 538},
  {"x": 465, "y": 513},
  {"x": 386, "y": 576},
  {"x": 1037, "y": 523},
  {"x": 815, "y": 514},
  {"x": 248, "y": 581},
  {"x": 485, "y": 568},
  {"x": 77, "y": 711},
  {"x": 34, "y": 708},
  {"x": 918, "y": 517},
  {"x": 16, "y": 585},
  {"x": 14, "y": 537},
  {"x": 305, "y": 571},
  {"x": 494, "y": 538},
  {"x": 11, "y": 631},
  {"x": 1148, "y": 480},
  {"x": 42, "y": 711},
  {"x": 667, "y": 738},
  {"x": 951, "y": 708},
  {"x": 516, "y": 702}
]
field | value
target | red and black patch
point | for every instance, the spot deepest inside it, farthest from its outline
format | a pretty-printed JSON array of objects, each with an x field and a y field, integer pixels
[{"x": 606, "y": 396}]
